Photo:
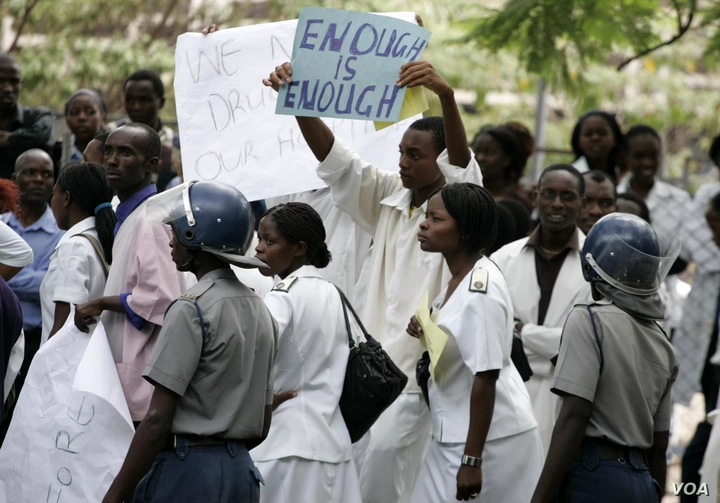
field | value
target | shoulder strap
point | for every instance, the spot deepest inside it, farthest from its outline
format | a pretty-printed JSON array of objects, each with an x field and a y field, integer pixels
[
  {"x": 191, "y": 298},
  {"x": 98, "y": 250},
  {"x": 346, "y": 305},
  {"x": 598, "y": 338}
]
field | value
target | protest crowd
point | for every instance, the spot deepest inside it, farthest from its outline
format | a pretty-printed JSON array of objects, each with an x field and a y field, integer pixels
[{"x": 538, "y": 329}]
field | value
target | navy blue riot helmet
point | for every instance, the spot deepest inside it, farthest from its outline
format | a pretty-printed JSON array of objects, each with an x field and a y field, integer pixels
[
  {"x": 210, "y": 216},
  {"x": 623, "y": 251}
]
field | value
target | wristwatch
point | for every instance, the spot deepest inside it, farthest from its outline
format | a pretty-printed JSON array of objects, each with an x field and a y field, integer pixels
[{"x": 471, "y": 461}]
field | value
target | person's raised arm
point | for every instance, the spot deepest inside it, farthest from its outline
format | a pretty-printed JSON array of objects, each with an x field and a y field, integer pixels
[
  {"x": 422, "y": 73},
  {"x": 317, "y": 135}
]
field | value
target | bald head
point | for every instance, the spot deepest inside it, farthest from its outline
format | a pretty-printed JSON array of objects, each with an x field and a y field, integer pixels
[{"x": 34, "y": 155}]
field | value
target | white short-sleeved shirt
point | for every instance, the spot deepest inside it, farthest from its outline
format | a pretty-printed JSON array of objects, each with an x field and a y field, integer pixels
[
  {"x": 311, "y": 358},
  {"x": 75, "y": 275},
  {"x": 14, "y": 251},
  {"x": 480, "y": 329},
  {"x": 399, "y": 272}
]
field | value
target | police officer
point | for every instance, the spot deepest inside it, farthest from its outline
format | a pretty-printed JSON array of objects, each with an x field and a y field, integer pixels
[
  {"x": 212, "y": 365},
  {"x": 614, "y": 374}
]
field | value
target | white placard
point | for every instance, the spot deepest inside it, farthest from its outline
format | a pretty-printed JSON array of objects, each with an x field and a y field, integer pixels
[
  {"x": 228, "y": 128},
  {"x": 66, "y": 443}
]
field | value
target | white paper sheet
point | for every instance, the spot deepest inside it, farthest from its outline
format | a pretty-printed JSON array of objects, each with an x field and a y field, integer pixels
[
  {"x": 66, "y": 443},
  {"x": 228, "y": 128}
]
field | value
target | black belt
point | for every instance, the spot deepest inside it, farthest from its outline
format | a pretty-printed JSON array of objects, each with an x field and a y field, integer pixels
[
  {"x": 605, "y": 450},
  {"x": 196, "y": 440}
]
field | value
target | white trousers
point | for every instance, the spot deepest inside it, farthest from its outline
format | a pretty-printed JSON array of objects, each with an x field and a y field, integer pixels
[
  {"x": 511, "y": 467},
  {"x": 544, "y": 403},
  {"x": 290, "y": 480},
  {"x": 390, "y": 455}
]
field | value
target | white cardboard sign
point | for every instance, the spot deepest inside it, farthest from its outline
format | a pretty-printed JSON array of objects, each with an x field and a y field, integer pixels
[{"x": 228, "y": 128}]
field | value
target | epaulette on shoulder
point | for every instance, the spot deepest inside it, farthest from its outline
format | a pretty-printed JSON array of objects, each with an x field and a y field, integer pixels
[
  {"x": 479, "y": 280},
  {"x": 284, "y": 285},
  {"x": 200, "y": 288}
]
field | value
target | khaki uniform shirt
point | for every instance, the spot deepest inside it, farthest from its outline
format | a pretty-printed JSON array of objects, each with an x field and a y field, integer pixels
[
  {"x": 225, "y": 382},
  {"x": 631, "y": 396}
]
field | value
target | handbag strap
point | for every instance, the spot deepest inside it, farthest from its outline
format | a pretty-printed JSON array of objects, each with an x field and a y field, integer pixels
[
  {"x": 98, "y": 250},
  {"x": 346, "y": 305}
]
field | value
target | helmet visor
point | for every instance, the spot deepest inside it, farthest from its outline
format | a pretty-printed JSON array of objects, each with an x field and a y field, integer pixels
[
  {"x": 171, "y": 205},
  {"x": 631, "y": 270}
]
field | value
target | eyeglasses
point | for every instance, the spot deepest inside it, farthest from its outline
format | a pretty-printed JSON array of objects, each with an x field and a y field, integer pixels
[{"x": 566, "y": 196}]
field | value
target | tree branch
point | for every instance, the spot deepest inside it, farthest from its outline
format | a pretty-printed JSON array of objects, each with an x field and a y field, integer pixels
[
  {"x": 158, "y": 29},
  {"x": 682, "y": 29},
  {"x": 29, "y": 6}
]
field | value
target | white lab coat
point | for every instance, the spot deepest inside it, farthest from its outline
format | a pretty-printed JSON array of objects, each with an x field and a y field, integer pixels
[
  {"x": 399, "y": 275},
  {"x": 311, "y": 358},
  {"x": 541, "y": 342},
  {"x": 348, "y": 243},
  {"x": 479, "y": 325},
  {"x": 75, "y": 275}
]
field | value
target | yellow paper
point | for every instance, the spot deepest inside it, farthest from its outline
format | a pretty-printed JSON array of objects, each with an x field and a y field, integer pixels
[
  {"x": 413, "y": 104},
  {"x": 433, "y": 338}
]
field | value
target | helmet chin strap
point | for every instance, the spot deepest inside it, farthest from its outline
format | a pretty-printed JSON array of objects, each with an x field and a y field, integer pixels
[{"x": 191, "y": 260}]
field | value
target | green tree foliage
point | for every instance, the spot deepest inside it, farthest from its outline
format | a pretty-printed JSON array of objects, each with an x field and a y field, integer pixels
[
  {"x": 558, "y": 39},
  {"x": 64, "y": 45}
]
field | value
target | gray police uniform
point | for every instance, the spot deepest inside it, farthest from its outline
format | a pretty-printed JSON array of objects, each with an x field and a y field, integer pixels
[
  {"x": 216, "y": 351},
  {"x": 625, "y": 366}
]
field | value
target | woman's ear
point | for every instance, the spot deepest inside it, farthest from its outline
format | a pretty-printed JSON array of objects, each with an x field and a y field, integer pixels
[
  {"x": 66, "y": 198},
  {"x": 300, "y": 248}
]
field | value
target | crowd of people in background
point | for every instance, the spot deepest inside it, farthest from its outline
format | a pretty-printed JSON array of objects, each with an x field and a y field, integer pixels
[{"x": 498, "y": 255}]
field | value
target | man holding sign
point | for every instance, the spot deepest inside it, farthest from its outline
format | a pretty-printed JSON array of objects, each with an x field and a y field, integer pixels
[{"x": 390, "y": 206}]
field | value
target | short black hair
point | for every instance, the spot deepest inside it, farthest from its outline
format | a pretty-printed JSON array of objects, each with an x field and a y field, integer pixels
[
  {"x": 598, "y": 176},
  {"x": 640, "y": 130},
  {"x": 300, "y": 222},
  {"x": 88, "y": 189},
  {"x": 474, "y": 209},
  {"x": 715, "y": 204},
  {"x": 564, "y": 167},
  {"x": 6, "y": 58},
  {"x": 150, "y": 75},
  {"x": 715, "y": 150},
  {"x": 151, "y": 146},
  {"x": 434, "y": 125},
  {"x": 644, "y": 210},
  {"x": 611, "y": 121},
  {"x": 95, "y": 95},
  {"x": 511, "y": 146}
]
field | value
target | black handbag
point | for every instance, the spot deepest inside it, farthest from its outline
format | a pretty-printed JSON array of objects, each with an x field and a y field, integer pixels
[{"x": 372, "y": 380}]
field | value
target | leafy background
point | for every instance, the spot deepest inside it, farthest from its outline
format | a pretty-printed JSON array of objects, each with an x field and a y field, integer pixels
[{"x": 493, "y": 52}]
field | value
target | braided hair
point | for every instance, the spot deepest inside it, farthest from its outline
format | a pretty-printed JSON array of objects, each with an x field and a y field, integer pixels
[
  {"x": 475, "y": 211},
  {"x": 88, "y": 189},
  {"x": 300, "y": 222},
  {"x": 434, "y": 125}
]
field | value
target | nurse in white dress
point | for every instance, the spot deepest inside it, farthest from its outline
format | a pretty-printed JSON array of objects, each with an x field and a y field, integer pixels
[
  {"x": 307, "y": 456},
  {"x": 77, "y": 272},
  {"x": 485, "y": 438}
]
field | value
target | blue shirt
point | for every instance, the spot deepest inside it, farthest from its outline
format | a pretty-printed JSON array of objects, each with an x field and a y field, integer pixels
[
  {"x": 123, "y": 211},
  {"x": 43, "y": 237},
  {"x": 131, "y": 203}
]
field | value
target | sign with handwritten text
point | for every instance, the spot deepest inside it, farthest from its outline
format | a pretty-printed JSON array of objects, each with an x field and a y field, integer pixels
[
  {"x": 228, "y": 127},
  {"x": 71, "y": 428},
  {"x": 345, "y": 64}
]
